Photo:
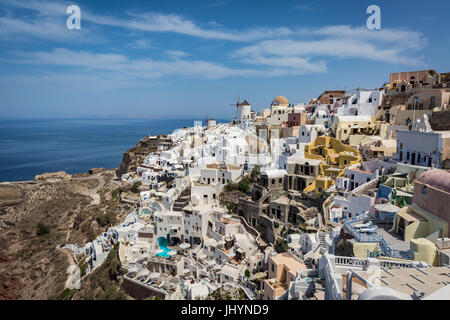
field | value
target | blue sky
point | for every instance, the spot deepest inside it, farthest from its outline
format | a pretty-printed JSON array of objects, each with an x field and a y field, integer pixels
[{"x": 168, "y": 58}]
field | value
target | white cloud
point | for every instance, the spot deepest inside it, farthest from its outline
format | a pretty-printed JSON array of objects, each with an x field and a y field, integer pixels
[
  {"x": 176, "y": 54},
  {"x": 141, "y": 44},
  {"x": 270, "y": 52},
  {"x": 146, "y": 21},
  {"x": 393, "y": 46},
  {"x": 303, "y": 7},
  {"x": 88, "y": 62},
  {"x": 216, "y": 3}
]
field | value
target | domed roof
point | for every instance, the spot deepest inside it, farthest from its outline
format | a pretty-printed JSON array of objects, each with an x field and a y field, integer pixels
[
  {"x": 280, "y": 100},
  {"x": 440, "y": 179}
]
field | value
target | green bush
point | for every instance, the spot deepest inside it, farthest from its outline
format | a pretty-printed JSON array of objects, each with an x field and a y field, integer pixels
[
  {"x": 230, "y": 206},
  {"x": 115, "y": 194},
  {"x": 42, "y": 229},
  {"x": 107, "y": 219},
  {"x": 101, "y": 219},
  {"x": 281, "y": 245},
  {"x": 231, "y": 186},
  {"x": 244, "y": 184}
]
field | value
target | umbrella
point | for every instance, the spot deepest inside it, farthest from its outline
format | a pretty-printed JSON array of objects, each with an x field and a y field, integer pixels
[
  {"x": 171, "y": 253},
  {"x": 184, "y": 245},
  {"x": 154, "y": 275},
  {"x": 159, "y": 251},
  {"x": 186, "y": 271}
]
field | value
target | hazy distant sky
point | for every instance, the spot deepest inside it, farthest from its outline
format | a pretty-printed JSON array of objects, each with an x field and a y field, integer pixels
[{"x": 190, "y": 58}]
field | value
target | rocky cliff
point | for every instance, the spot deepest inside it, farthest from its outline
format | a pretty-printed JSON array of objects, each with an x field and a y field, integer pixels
[
  {"x": 133, "y": 157},
  {"x": 36, "y": 217}
]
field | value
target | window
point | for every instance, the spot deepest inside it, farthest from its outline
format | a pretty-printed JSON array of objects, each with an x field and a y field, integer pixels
[
  {"x": 424, "y": 190},
  {"x": 401, "y": 145},
  {"x": 280, "y": 180},
  {"x": 273, "y": 181},
  {"x": 273, "y": 267},
  {"x": 432, "y": 102}
]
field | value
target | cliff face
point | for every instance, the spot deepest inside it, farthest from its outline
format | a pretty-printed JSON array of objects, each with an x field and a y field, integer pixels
[
  {"x": 38, "y": 216},
  {"x": 136, "y": 155}
]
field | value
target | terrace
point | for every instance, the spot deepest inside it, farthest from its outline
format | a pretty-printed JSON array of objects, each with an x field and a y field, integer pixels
[{"x": 363, "y": 230}]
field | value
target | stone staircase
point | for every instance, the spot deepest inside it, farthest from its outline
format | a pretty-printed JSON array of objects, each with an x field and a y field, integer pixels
[{"x": 183, "y": 200}]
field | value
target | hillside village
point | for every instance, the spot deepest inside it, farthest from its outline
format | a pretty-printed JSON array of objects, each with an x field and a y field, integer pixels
[{"x": 346, "y": 196}]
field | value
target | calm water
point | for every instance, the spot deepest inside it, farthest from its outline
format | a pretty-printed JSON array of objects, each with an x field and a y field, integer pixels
[{"x": 31, "y": 147}]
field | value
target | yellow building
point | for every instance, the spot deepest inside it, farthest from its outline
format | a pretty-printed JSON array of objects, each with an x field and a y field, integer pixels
[
  {"x": 354, "y": 130},
  {"x": 335, "y": 157}
]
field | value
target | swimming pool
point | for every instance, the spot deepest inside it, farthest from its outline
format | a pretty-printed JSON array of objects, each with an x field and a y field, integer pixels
[{"x": 162, "y": 243}]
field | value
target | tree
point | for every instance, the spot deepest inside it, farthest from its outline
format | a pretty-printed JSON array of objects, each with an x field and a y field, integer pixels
[
  {"x": 254, "y": 174},
  {"x": 244, "y": 184},
  {"x": 281, "y": 245},
  {"x": 247, "y": 273}
]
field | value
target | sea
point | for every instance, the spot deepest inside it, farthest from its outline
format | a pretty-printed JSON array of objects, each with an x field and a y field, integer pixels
[{"x": 31, "y": 147}]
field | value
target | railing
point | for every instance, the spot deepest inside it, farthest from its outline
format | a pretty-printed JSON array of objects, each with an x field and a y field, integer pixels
[
  {"x": 388, "y": 264},
  {"x": 376, "y": 238},
  {"x": 350, "y": 261}
]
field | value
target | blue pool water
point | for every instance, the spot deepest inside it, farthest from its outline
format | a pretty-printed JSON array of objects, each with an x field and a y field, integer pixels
[{"x": 162, "y": 243}]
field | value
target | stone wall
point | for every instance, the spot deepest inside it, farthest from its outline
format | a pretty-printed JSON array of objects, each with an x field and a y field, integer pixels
[{"x": 139, "y": 291}]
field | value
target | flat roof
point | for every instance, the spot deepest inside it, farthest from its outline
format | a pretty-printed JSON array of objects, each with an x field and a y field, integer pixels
[
  {"x": 287, "y": 260},
  {"x": 408, "y": 280}
]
